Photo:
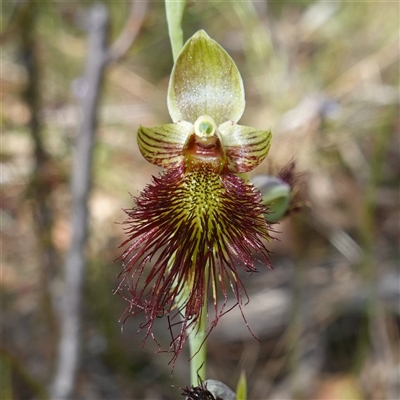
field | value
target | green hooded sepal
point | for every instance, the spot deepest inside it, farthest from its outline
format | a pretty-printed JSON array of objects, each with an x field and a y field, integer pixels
[{"x": 205, "y": 81}]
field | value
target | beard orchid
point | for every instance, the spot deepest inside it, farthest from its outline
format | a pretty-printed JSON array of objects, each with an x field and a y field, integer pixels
[{"x": 192, "y": 229}]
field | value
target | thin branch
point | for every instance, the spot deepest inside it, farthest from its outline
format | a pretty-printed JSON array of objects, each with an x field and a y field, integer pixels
[
  {"x": 135, "y": 20},
  {"x": 68, "y": 358}
]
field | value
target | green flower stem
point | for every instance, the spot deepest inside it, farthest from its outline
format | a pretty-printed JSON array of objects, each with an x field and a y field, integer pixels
[
  {"x": 197, "y": 341},
  {"x": 197, "y": 338},
  {"x": 198, "y": 348},
  {"x": 174, "y": 11}
]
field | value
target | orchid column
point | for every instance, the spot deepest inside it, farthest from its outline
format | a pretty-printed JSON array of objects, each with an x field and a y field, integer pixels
[{"x": 199, "y": 221}]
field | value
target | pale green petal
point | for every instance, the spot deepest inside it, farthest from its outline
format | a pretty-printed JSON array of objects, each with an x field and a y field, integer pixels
[
  {"x": 205, "y": 81},
  {"x": 244, "y": 146},
  {"x": 163, "y": 145},
  {"x": 276, "y": 194}
]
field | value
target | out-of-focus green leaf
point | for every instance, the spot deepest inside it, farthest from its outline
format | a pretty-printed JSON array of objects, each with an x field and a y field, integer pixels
[{"x": 241, "y": 389}]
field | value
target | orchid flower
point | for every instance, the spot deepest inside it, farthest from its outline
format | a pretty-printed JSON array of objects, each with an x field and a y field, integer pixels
[{"x": 199, "y": 221}]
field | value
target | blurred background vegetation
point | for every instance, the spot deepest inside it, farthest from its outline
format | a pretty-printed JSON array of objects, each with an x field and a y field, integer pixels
[{"x": 324, "y": 76}]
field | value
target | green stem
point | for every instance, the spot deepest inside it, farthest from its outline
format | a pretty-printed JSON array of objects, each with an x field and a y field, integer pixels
[
  {"x": 174, "y": 11},
  {"x": 198, "y": 348},
  {"x": 368, "y": 268},
  {"x": 197, "y": 340}
]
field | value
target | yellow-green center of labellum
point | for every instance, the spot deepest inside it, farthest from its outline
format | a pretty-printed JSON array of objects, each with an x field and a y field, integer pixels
[{"x": 198, "y": 222}]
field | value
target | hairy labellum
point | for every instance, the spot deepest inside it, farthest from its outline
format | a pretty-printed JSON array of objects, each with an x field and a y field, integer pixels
[{"x": 195, "y": 227}]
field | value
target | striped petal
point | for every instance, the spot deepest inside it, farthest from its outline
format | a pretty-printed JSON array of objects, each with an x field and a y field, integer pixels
[
  {"x": 163, "y": 145},
  {"x": 245, "y": 147}
]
